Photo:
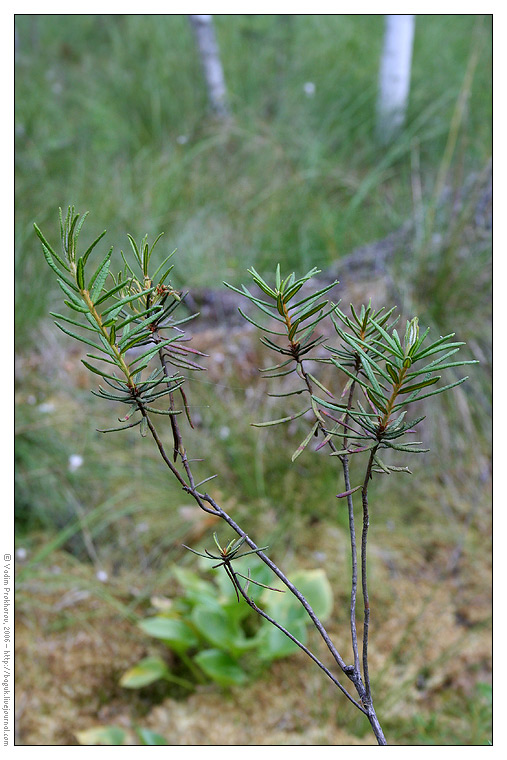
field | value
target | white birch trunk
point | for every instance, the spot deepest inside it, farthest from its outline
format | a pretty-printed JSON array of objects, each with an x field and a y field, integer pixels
[
  {"x": 212, "y": 67},
  {"x": 394, "y": 78}
]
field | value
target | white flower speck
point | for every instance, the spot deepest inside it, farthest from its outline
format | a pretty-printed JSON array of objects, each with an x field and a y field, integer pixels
[
  {"x": 46, "y": 407},
  {"x": 309, "y": 89},
  {"x": 224, "y": 433},
  {"x": 101, "y": 576},
  {"x": 75, "y": 462}
]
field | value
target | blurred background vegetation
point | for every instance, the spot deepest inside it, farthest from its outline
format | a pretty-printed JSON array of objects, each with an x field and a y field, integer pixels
[{"x": 111, "y": 116}]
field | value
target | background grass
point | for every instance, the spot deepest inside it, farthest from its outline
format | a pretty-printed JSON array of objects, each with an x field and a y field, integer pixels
[{"x": 111, "y": 116}]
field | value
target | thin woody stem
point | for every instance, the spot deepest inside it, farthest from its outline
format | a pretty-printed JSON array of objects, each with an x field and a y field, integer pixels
[
  {"x": 287, "y": 633},
  {"x": 364, "y": 573},
  {"x": 352, "y": 531},
  {"x": 203, "y": 499},
  {"x": 350, "y": 505}
]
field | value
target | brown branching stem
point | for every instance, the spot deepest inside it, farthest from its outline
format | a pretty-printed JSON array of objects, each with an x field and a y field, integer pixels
[
  {"x": 150, "y": 315},
  {"x": 352, "y": 531},
  {"x": 287, "y": 633},
  {"x": 365, "y": 687},
  {"x": 207, "y": 504},
  {"x": 364, "y": 574}
]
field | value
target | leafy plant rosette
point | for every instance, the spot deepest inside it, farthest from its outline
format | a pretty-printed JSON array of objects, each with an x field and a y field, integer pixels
[{"x": 209, "y": 632}]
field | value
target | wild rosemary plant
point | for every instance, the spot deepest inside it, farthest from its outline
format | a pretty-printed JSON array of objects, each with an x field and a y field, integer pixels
[{"x": 135, "y": 309}]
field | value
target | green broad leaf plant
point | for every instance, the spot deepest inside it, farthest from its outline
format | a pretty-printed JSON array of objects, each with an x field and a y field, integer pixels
[
  {"x": 137, "y": 347},
  {"x": 209, "y": 633}
]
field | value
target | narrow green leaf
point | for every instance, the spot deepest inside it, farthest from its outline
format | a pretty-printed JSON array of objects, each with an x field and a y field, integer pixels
[
  {"x": 152, "y": 351},
  {"x": 401, "y": 447},
  {"x": 434, "y": 393},
  {"x": 392, "y": 343},
  {"x": 57, "y": 271},
  {"x": 122, "y": 427},
  {"x": 420, "y": 340},
  {"x": 350, "y": 374},
  {"x": 319, "y": 384},
  {"x": 287, "y": 284},
  {"x": 246, "y": 293},
  {"x": 381, "y": 464},
  {"x": 259, "y": 326},
  {"x": 398, "y": 344},
  {"x": 397, "y": 423},
  {"x": 289, "y": 393},
  {"x": 73, "y": 321},
  {"x": 365, "y": 361},
  {"x": 292, "y": 290},
  {"x": 321, "y": 316},
  {"x": 71, "y": 238},
  {"x": 70, "y": 294},
  {"x": 75, "y": 307},
  {"x": 293, "y": 330},
  {"x": 315, "y": 295},
  {"x": 276, "y": 366},
  {"x": 160, "y": 235},
  {"x": 136, "y": 250},
  {"x": 80, "y": 273},
  {"x": 61, "y": 221},
  {"x": 92, "y": 246},
  {"x": 453, "y": 364},
  {"x": 128, "y": 299},
  {"x": 422, "y": 384},
  {"x": 101, "y": 358},
  {"x": 112, "y": 292},
  {"x": 270, "y": 344},
  {"x": 168, "y": 412},
  {"x": 99, "y": 278},
  {"x": 436, "y": 348},
  {"x": 442, "y": 339},
  {"x": 98, "y": 371},
  {"x": 139, "y": 328},
  {"x": 281, "y": 420},
  {"x": 50, "y": 248},
  {"x": 392, "y": 373},
  {"x": 80, "y": 338},
  {"x": 378, "y": 400},
  {"x": 261, "y": 283},
  {"x": 78, "y": 228},
  {"x": 112, "y": 316},
  {"x": 311, "y": 312},
  {"x": 302, "y": 446},
  {"x": 329, "y": 405},
  {"x": 107, "y": 346},
  {"x": 162, "y": 265}
]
